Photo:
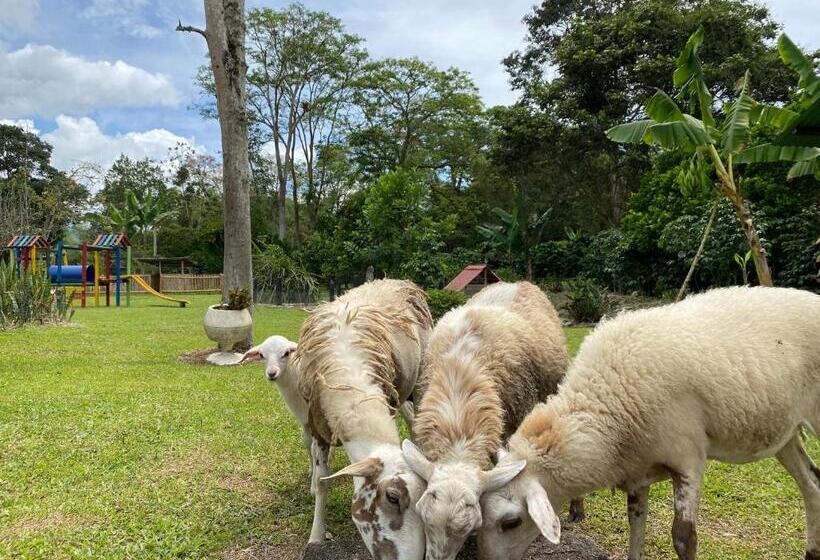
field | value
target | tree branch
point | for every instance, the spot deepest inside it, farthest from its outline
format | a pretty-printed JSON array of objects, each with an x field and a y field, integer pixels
[{"x": 191, "y": 29}]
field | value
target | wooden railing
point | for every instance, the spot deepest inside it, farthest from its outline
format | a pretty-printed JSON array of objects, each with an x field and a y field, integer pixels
[{"x": 184, "y": 283}]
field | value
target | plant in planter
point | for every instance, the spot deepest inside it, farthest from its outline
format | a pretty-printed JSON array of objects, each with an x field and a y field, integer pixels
[{"x": 228, "y": 324}]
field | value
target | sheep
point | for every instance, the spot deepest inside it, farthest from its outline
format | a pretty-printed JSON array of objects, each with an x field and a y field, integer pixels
[
  {"x": 279, "y": 369},
  {"x": 275, "y": 351},
  {"x": 488, "y": 363},
  {"x": 732, "y": 374},
  {"x": 359, "y": 359}
]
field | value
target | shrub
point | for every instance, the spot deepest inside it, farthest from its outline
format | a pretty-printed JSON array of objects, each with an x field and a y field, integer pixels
[
  {"x": 508, "y": 274},
  {"x": 442, "y": 301},
  {"x": 278, "y": 273},
  {"x": 588, "y": 302},
  {"x": 28, "y": 298}
]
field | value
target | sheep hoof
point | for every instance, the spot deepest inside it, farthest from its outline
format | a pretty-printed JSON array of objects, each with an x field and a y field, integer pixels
[
  {"x": 576, "y": 512},
  {"x": 328, "y": 536}
]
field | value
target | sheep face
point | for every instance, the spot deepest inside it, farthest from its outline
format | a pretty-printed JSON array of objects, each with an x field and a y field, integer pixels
[
  {"x": 275, "y": 352},
  {"x": 385, "y": 490},
  {"x": 450, "y": 507},
  {"x": 514, "y": 515}
]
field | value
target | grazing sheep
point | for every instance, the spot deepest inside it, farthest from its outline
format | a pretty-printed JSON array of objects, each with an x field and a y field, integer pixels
[
  {"x": 276, "y": 351},
  {"x": 488, "y": 363},
  {"x": 359, "y": 358},
  {"x": 732, "y": 374}
]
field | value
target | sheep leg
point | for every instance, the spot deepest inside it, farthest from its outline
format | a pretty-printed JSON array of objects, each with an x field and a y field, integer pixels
[
  {"x": 793, "y": 457},
  {"x": 319, "y": 461},
  {"x": 686, "y": 500},
  {"x": 576, "y": 510},
  {"x": 307, "y": 439},
  {"x": 636, "y": 507},
  {"x": 407, "y": 412}
]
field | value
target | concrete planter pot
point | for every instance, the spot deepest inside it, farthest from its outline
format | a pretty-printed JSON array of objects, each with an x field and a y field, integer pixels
[{"x": 226, "y": 327}]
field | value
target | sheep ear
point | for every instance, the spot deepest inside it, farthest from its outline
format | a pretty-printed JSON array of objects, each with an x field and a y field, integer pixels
[
  {"x": 501, "y": 475},
  {"x": 252, "y": 355},
  {"x": 416, "y": 460},
  {"x": 540, "y": 509},
  {"x": 290, "y": 349},
  {"x": 369, "y": 467}
]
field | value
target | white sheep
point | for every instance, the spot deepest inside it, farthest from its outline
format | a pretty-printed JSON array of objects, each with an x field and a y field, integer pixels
[
  {"x": 732, "y": 374},
  {"x": 488, "y": 363},
  {"x": 275, "y": 351},
  {"x": 359, "y": 358}
]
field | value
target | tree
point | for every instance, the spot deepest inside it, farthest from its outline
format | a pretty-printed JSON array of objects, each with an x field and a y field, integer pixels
[
  {"x": 225, "y": 35},
  {"x": 141, "y": 215},
  {"x": 34, "y": 196},
  {"x": 670, "y": 128},
  {"x": 590, "y": 64},
  {"x": 142, "y": 177},
  {"x": 302, "y": 65},
  {"x": 517, "y": 232},
  {"x": 416, "y": 116}
]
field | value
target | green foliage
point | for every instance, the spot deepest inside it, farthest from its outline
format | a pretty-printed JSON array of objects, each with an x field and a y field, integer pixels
[
  {"x": 587, "y": 301},
  {"x": 238, "y": 299},
  {"x": 27, "y": 298},
  {"x": 275, "y": 270},
  {"x": 442, "y": 301}
]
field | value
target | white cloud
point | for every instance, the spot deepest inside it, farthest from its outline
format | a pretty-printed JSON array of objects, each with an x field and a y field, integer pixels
[
  {"x": 25, "y": 124},
  {"x": 127, "y": 16},
  {"x": 80, "y": 140},
  {"x": 18, "y": 15},
  {"x": 41, "y": 80}
]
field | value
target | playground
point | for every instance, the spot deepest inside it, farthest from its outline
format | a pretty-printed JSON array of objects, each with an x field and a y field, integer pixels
[
  {"x": 105, "y": 266},
  {"x": 113, "y": 448}
]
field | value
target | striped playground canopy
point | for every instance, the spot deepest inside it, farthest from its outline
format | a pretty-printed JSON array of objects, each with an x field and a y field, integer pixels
[
  {"x": 107, "y": 240},
  {"x": 24, "y": 241}
]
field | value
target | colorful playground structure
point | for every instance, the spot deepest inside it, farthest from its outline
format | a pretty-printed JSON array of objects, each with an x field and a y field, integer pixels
[{"x": 114, "y": 250}]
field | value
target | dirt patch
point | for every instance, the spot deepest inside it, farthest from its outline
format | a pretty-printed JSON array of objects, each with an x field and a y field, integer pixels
[
  {"x": 197, "y": 357},
  {"x": 194, "y": 462},
  {"x": 265, "y": 551},
  {"x": 573, "y": 547},
  {"x": 247, "y": 486},
  {"x": 31, "y": 525}
]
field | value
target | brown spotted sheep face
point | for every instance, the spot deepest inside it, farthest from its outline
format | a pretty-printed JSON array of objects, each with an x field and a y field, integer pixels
[
  {"x": 514, "y": 516},
  {"x": 382, "y": 510}
]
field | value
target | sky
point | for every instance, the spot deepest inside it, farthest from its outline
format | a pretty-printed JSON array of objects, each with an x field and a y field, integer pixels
[{"x": 97, "y": 78}]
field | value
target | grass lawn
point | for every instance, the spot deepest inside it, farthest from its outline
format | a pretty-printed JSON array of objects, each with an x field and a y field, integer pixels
[{"x": 111, "y": 448}]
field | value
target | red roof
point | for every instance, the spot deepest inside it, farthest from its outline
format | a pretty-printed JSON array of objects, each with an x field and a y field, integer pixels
[{"x": 470, "y": 273}]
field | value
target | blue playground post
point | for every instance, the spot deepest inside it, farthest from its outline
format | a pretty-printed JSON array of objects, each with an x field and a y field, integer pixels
[
  {"x": 119, "y": 280},
  {"x": 60, "y": 262}
]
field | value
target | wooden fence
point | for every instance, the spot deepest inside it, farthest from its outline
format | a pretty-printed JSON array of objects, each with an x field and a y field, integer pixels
[{"x": 184, "y": 283}]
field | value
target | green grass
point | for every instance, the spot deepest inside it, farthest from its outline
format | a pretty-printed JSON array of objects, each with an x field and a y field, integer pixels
[{"x": 110, "y": 447}]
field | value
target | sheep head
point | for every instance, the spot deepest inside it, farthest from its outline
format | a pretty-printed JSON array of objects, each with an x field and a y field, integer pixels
[
  {"x": 275, "y": 352},
  {"x": 385, "y": 490},
  {"x": 515, "y": 514},
  {"x": 450, "y": 508}
]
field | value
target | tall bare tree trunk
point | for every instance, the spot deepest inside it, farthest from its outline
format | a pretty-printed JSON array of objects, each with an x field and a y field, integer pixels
[
  {"x": 225, "y": 34},
  {"x": 699, "y": 253}
]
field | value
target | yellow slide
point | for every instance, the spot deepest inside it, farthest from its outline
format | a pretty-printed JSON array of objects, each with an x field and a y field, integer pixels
[{"x": 147, "y": 287}]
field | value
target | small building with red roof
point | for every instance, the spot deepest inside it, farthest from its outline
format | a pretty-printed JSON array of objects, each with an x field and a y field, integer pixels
[{"x": 473, "y": 279}]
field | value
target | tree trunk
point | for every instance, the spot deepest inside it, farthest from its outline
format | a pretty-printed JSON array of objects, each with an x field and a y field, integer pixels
[
  {"x": 297, "y": 238},
  {"x": 225, "y": 35},
  {"x": 764, "y": 275},
  {"x": 154, "y": 235},
  {"x": 698, "y": 253}
]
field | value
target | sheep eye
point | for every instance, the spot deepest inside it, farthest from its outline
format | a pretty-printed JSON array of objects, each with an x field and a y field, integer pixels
[
  {"x": 510, "y": 523},
  {"x": 393, "y": 496}
]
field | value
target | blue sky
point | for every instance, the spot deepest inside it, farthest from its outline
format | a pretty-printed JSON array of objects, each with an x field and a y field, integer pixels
[{"x": 98, "y": 77}]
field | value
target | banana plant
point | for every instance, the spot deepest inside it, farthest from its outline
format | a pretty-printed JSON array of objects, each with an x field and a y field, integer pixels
[
  {"x": 140, "y": 215},
  {"x": 518, "y": 231},
  {"x": 715, "y": 148}
]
